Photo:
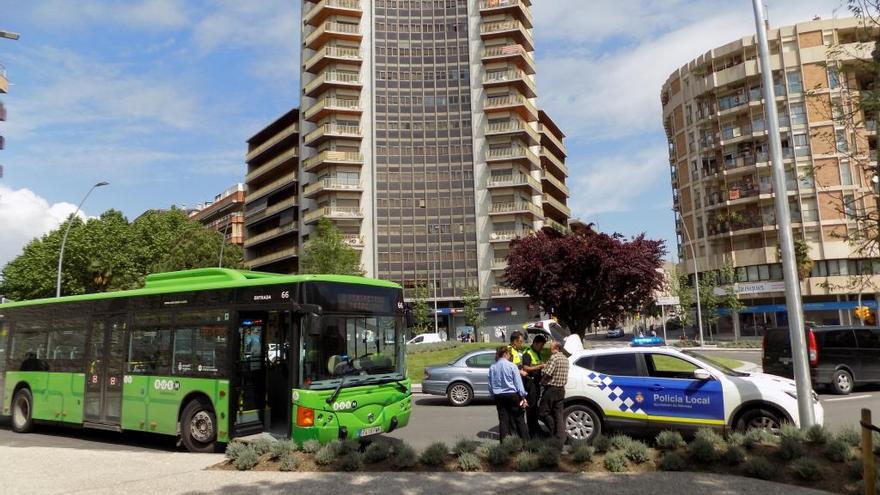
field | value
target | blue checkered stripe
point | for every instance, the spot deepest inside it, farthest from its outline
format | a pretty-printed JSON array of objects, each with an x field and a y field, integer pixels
[{"x": 616, "y": 395}]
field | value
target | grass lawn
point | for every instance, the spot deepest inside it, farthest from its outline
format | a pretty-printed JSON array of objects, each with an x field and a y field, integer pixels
[{"x": 417, "y": 361}]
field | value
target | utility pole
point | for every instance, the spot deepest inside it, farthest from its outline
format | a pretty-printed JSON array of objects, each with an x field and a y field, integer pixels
[
  {"x": 783, "y": 219},
  {"x": 687, "y": 239}
]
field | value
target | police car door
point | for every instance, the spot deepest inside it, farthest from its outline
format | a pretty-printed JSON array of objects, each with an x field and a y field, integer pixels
[
  {"x": 617, "y": 379},
  {"x": 674, "y": 397}
]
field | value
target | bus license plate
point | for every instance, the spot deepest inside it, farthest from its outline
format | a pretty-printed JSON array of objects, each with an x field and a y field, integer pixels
[{"x": 365, "y": 432}]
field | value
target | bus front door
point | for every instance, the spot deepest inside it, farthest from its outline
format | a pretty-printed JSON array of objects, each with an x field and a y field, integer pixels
[
  {"x": 251, "y": 371},
  {"x": 278, "y": 372},
  {"x": 105, "y": 357}
]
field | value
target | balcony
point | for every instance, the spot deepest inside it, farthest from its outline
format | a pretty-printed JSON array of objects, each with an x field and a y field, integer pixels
[
  {"x": 512, "y": 154},
  {"x": 549, "y": 160},
  {"x": 328, "y": 131},
  {"x": 271, "y": 258},
  {"x": 519, "y": 8},
  {"x": 556, "y": 183},
  {"x": 331, "y": 184},
  {"x": 254, "y": 216},
  {"x": 2, "y": 112},
  {"x": 509, "y": 235},
  {"x": 331, "y": 158},
  {"x": 332, "y": 30},
  {"x": 516, "y": 208},
  {"x": 273, "y": 186},
  {"x": 332, "y": 79},
  {"x": 2, "y": 143},
  {"x": 511, "y": 77},
  {"x": 548, "y": 138},
  {"x": 285, "y": 133},
  {"x": 4, "y": 82},
  {"x": 730, "y": 135},
  {"x": 326, "y": 8},
  {"x": 515, "y": 54},
  {"x": 513, "y": 103},
  {"x": 331, "y": 54},
  {"x": 270, "y": 234},
  {"x": 501, "y": 291},
  {"x": 499, "y": 263},
  {"x": 555, "y": 204},
  {"x": 510, "y": 28},
  {"x": 334, "y": 213},
  {"x": 332, "y": 105},
  {"x": 513, "y": 179},
  {"x": 516, "y": 128},
  {"x": 289, "y": 155},
  {"x": 553, "y": 224}
]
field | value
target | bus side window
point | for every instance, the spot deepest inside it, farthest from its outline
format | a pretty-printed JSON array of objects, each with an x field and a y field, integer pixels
[{"x": 149, "y": 352}]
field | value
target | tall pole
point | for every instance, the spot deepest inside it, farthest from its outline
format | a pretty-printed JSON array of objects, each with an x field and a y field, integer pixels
[
  {"x": 66, "y": 233},
  {"x": 687, "y": 240},
  {"x": 434, "y": 273},
  {"x": 789, "y": 269}
]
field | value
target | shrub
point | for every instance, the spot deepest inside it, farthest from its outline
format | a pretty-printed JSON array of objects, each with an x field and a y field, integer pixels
[
  {"x": 525, "y": 462},
  {"x": 806, "y": 469},
  {"x": 601, "y": 443},
  {"x": 673, "y": 461},
  {"x": 533, "y": 445},
  {"x": 468, "y": 461},
  {"x": 616, "y": 462},
  {"x": 710, "y": 436},
  {"x": 497, "y": 455},
  {"x": 465, "y": 446},
  {"x": 857, "y": 469},
  {"x": 404, "y": 457},
  {"x": 350, "y": 461},
  {"x": 377, "y": 452},
  {"x": 434, "y": 454},
  {"x": 734, "y": 455},
  {"x": 289, "y": 462},
  {"x": 548, "y": 456},
  {"x": 817, "y": 434},
  {"x": 757, "y": 436},
  {"x": 759, "y": 467},
  {"x": 619, "y": 442},
  {"x": 791, "y": 448},
  {"x": 311, "y": 446},
  {"x": 349, "y": 445},
  {"x": 669, "y": 440},
  {"x": 788, "y": 430},
  {"x": 637, "y": 452},
  {"x": 247, "y": 459},
  {"x": 703, "y": 451},
  {"x": 262, "y": 445},
  {"x": 234, "y": 449},
  {"x": 838, "y": 450},
  {"x": 280, "y": 449},
  {"x": 327, "y": 454},
  {"x": 849, "y": 435},
  {"x": 512, "y": 444},
  {"x": 582, "y": 453}
]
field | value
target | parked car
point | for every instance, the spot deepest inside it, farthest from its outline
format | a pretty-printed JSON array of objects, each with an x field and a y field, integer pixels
[
  {"x": 426, "y": 338},
  {"x": 462, "y": 380},
  {"x": 552, "y": 330},
  {"x": 615, "y": 333},
  {"x": 840, "y": 357},
  {"x": 645, "y": 390}
]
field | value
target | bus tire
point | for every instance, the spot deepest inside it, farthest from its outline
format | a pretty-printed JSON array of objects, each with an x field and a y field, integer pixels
[
  {"x": 198, "y": 427},
  {"x": 23, "y": 411}
]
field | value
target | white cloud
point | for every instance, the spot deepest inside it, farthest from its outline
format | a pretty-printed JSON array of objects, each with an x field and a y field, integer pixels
[
  {"x": 143, "y": 14},
  {"x": 24, "y": 216}
]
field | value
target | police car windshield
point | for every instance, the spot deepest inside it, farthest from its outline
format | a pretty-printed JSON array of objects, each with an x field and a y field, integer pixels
[{"x": 715, "y": 364}]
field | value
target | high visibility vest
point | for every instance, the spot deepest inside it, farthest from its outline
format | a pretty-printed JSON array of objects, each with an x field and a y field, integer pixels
[
  {"x": 535, "y": 357},
  {"x": 515, "y": 355}
]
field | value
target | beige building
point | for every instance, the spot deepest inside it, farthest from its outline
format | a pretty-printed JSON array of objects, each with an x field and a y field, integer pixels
[
  {"x": 421, "y": 139},
  {"x": 713, "y": 113},
  {"x": 225, "y": 214}
]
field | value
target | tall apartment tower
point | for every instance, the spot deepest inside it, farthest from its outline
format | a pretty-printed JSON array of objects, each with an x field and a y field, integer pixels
[
  {"x": 225, "y": 214},
  {"x": 421, "y": 139},
  {"x": 713, "y": 111}
]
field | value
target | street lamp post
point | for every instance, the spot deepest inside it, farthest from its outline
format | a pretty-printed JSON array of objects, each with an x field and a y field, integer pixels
[
  {"x": 67, "y": 232},
  {"x": 687, "y": 239}
]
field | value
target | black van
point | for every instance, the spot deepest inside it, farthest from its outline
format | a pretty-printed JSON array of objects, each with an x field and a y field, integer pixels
[{"x": 840, "y": 357}]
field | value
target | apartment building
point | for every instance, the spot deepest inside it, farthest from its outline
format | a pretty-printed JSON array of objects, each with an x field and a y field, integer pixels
[
  {"x": 225, "y": 214},
  {"x": 421, "y": 139},
  {"x": 713, "y": 113}
]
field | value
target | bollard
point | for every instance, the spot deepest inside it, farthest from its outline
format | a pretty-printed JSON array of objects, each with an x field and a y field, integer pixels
[{"x": 868, "y": 453}]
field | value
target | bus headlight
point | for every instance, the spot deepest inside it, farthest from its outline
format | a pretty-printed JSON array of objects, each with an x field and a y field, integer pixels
[{"x": 305, "y": 416}]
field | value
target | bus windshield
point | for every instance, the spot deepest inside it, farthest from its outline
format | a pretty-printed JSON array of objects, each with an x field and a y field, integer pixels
[{"x": 358, "y": 349}]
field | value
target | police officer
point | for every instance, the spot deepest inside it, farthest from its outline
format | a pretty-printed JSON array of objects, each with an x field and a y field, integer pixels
[
  {"x": 517, "y": 343},
  {"x": 532, "y": 364}
]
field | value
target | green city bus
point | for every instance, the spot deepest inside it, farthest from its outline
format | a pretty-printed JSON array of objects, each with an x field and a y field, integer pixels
[{"x": 212, "y": 354}]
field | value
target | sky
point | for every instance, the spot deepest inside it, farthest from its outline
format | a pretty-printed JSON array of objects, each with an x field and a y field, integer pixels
[{"x": 157, "y": 97}]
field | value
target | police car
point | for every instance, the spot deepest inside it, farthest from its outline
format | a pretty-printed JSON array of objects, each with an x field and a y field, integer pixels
[{"x": 649, "y": 389}]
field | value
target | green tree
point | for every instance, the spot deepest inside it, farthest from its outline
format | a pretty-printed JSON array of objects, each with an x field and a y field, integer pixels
[
  {"x": 717, "y": 291},
  {"x": 421, "y": 312},
  {"x": 198, "y": 247},
  {"x": 471, "y": 311},
  {"x": 685, "y": 292},
  {"x": 327, "y": 252}
]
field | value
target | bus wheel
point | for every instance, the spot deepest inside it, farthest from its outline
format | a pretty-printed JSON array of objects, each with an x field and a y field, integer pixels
[
  {"x": 23, "y": 411},
  {"x": 199, "y": 427}
]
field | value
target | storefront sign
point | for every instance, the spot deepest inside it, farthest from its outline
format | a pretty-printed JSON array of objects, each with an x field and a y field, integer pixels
[{"x": 753, "y": 288}]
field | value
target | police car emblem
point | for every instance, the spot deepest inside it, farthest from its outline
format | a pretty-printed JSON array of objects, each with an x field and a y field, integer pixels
[{"x": 639, "y": 397}]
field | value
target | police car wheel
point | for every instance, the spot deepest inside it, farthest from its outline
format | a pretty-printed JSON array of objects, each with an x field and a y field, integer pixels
[
  {"x": 760, "y": 419},
  {"x": 842, "y": 382},
  {"x": 460, "y": 394},
  {"x": 582, "y": 424}
]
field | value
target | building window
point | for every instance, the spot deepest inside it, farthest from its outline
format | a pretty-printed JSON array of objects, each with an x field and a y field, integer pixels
[
  {"x": 795, "y": 84},
  {"x": 833, "y": 78},
  {"x": 849, "y": 206},
  {"x": 801, "y": 145},
  {"x": 845, "y": 174},
  {"x": 798, "y": 114}
]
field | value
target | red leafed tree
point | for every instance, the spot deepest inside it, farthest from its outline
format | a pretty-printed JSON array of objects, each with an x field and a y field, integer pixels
[{"x": 586, "y": 277}]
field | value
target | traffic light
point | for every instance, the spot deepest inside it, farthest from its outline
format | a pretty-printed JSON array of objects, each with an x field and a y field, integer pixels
[{"x": 863, "y": 313}]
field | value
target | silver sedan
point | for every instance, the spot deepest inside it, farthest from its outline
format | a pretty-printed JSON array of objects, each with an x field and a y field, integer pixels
[{"x": 462, "y": 380}]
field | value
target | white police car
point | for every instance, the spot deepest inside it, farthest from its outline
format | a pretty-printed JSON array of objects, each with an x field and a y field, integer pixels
[{"x": 648, "y": 389}]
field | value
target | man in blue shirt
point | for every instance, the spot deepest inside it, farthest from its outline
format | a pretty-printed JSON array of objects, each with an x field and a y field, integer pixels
[{"x": 506, "y": 387}]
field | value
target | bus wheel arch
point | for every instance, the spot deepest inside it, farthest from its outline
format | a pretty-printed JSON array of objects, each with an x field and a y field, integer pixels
[
  {"x": 197, "y": 422},
  {"x": 22, "y": 410}
]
